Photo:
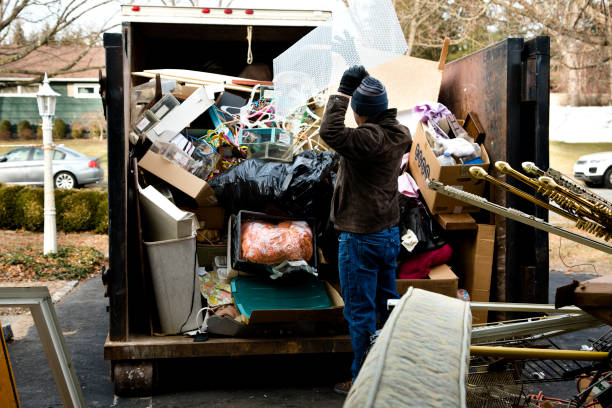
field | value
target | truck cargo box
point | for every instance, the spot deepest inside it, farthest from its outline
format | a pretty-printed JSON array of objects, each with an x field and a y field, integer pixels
[{"x": 506, "y": 84}]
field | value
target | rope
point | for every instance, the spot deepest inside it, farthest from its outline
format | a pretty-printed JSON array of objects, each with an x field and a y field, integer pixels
[{"x": 249, "y": 38}]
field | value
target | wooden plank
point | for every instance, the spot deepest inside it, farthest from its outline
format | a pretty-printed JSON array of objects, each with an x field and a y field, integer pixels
[
  {"x": 147, "y": 347},
  {"x": 191, "y": 80}
]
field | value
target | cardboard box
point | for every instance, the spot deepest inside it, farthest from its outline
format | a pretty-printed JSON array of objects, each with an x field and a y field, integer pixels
[
  {"x": 212, "y": 217},
  {"x": 180, "y": 178},
  {"x": 405, "y": 91},
  {"x": 454, "y": 222},
  {"x": 475, "y": 264},
  {"x": 207, "y": 253},
  {"x": 424, "y": 164},
  {"x": 335, "y": 313},
  {"x": 441, "y": 280}
]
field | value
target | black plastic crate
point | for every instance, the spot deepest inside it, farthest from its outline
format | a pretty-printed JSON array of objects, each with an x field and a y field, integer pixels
[{"x": 243, "y": 265}]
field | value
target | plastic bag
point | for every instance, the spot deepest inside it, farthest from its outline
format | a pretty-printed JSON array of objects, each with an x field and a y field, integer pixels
[
  {"x": 302, "y": 189},
  {"x": 415, "y": 217},
  {"x": 266, "y": 243}
]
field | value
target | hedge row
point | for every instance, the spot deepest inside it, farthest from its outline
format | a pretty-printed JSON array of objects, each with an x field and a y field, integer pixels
[
  {"x": 28, "y": 131},
  {"x": 76, "y": 210}
]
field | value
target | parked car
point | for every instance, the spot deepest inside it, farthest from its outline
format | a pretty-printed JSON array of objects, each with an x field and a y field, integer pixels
[
  {"x": 595, "y": 169},
  {"x": 25, "y": 165}
]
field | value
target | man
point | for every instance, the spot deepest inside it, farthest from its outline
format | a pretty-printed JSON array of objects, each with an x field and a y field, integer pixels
[{"x": 365, "y": 207}]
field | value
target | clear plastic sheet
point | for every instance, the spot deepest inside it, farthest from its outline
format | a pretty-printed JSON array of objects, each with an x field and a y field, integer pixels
[{"x": 367, "y": 33}]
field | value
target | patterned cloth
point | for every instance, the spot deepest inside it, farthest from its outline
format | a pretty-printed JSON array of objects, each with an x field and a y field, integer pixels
[{"x": 217, "y": 293}]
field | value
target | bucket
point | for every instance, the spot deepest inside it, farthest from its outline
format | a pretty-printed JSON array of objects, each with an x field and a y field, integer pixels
[{"x": 175, "y": 283}]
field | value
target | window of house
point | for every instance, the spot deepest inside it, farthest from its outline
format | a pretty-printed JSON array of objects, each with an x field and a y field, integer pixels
[
  {"x": 19, "y": 90},
  {"x": 86, "y": 90}
]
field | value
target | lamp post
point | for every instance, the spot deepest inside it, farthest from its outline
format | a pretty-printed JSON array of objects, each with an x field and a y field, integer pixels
[{"x": 46, "y": 108}]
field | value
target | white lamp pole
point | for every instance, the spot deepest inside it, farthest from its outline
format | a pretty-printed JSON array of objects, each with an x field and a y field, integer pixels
[{"x": 46, "y": 108}]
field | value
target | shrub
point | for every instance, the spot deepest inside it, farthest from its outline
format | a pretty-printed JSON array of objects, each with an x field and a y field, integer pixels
[
  {"x": 24, "y": 130},
  {"x": 77, "y": 131},
  {"x": 8, "y": 205},
  {"x": 59, "y": 129},
  {"x": 96, "y": 128},
  {"x": 39, "y": 131},
  {"x": 6, "y": 132},
  {"x": 102, "y": 215},
  {"x": 29, "y": 212},
  {"x": 77, "y": 210}
]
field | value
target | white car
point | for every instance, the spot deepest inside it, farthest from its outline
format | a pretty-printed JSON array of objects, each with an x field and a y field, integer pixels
[{"x": 595, "y": 169}]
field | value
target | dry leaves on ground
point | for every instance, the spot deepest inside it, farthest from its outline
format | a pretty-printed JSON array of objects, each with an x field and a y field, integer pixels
[{"x": 79, "y": 256}]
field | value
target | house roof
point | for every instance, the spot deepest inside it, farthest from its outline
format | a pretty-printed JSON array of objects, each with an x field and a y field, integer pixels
[{"x": 51, "y": 59}]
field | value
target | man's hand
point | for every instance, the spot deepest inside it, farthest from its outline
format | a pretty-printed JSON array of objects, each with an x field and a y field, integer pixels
[{"x": 351, "y": 79}]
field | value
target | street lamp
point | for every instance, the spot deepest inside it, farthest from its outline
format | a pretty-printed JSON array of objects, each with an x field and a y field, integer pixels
[{"x": 46, "y": 108}]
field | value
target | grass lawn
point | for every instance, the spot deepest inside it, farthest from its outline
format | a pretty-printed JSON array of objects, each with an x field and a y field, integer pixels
[{"x": 89, "y": 147}]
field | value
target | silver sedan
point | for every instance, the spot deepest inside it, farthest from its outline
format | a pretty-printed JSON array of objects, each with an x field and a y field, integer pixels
[{"x": 24, "y": 165}]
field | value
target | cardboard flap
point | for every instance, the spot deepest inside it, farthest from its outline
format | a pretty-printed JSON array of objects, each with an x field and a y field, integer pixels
[
  {"x": 442, "y": 272},
  {"x": 408, "y": 80},
  {"x": 180, "y": 178}
]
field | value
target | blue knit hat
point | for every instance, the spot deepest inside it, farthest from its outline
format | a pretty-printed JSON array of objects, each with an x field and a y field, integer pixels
[{"x": 370, "y": 97}]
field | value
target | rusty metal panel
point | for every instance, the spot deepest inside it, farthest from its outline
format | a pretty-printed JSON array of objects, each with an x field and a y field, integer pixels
[{"x": 493, "y": 83}]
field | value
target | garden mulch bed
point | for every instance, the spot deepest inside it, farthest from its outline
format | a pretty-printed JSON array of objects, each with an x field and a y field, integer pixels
[{"x": 79, "y": 256}]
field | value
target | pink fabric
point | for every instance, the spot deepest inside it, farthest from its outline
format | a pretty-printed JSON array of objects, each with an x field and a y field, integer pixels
[
  {"x": 418, "y": 267},
  {"x": 405, "y": 183},
  {"x": 407, "y": 186},
  {"x": 404, "y": 160}
]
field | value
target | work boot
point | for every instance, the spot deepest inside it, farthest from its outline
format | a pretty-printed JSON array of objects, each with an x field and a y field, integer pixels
[{"x": 343, "y": 387}]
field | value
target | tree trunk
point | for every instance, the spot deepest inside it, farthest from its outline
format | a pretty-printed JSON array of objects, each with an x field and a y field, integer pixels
[
  {"x": 573, "y": 78},
  {"x": 413, "y": 27}
]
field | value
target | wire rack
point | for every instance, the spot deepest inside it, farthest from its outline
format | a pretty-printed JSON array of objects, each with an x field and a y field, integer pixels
[{"x": 498, "y": 382}]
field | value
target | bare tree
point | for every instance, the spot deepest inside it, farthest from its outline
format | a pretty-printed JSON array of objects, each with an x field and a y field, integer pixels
[
  {"x": 427, "y": 23},
  {"x": 59, "y": 20},
  {"x": 581, "y": 33}
]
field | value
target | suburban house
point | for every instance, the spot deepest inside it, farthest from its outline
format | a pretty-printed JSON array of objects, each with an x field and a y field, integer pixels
[{"x": 79, "y": 89}]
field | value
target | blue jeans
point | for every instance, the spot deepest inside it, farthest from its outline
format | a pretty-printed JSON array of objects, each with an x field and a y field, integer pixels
[{"x": 366, "y": 263}]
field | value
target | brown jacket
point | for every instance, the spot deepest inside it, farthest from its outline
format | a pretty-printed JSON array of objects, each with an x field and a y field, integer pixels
[{"x": 365, "y": 198}]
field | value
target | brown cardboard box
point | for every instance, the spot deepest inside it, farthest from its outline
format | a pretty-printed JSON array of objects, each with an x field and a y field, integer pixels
[
  {"x": 180, "y": 178},
  {"x": 405, "y": 91},
  {"x": 454, "y": 222},
  {"x": 475, "y": 264},
  {"x": 207, "y": 253},
  {"x": 441, "y": 280},
  {"x": 330, "y": 314},
  {"x": 424, "y": 164},
  {"x": 212, "y": 217}
]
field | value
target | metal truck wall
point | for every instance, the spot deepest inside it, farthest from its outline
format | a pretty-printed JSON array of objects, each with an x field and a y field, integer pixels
[{"x": 507, "y": 86}]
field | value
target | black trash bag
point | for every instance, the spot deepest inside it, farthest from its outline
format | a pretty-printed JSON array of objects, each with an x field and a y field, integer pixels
[
  {"x": 415, "y": 216},
  {"x": 301, "y": 189}
]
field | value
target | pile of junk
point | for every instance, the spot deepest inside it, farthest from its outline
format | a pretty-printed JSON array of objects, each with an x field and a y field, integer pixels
[
  {"x": 235, "y": 202},
  {"x": 234, "y": 184}
]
